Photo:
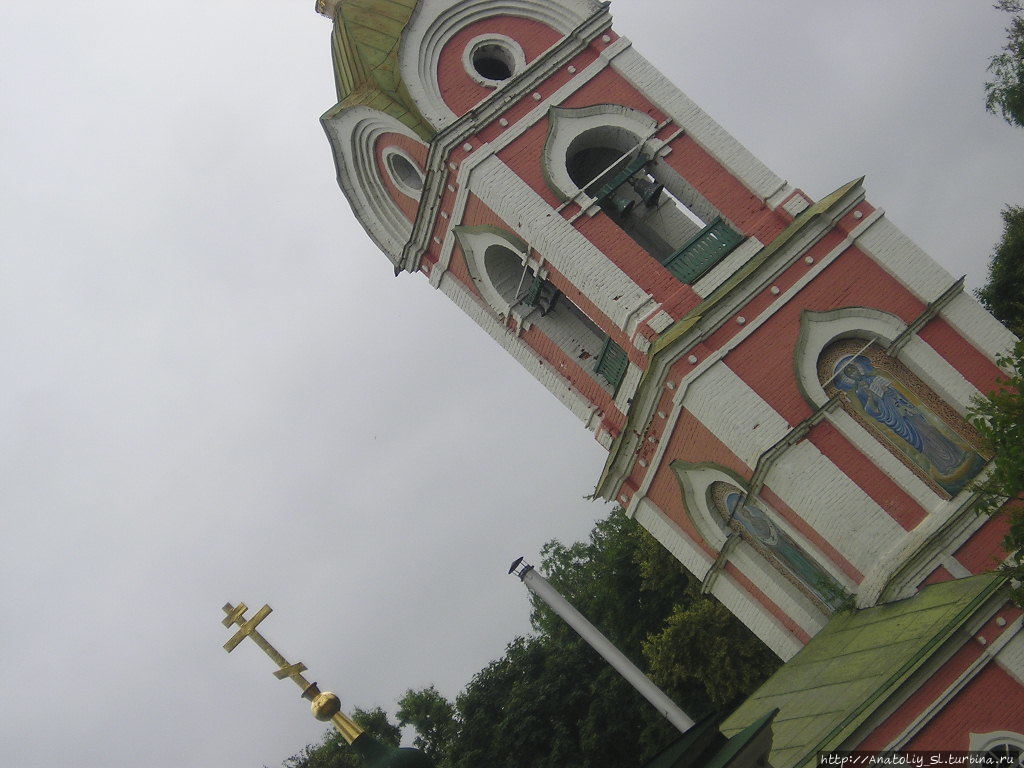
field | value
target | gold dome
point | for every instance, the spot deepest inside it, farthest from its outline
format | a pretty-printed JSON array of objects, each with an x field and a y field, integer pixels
[{"x": 325, "y": 706}]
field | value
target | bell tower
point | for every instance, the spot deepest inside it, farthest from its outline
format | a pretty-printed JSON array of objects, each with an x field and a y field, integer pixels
[{"x": 780, "y": 382}]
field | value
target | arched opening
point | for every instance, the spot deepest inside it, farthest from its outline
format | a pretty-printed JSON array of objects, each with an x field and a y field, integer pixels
[
  {"x": 755, "y": 525},
  {"x": 555, "y": 315},
  {"x": 493, "y": 59},
  {"x": 905, "y": 415},
  {"x": 660, "y": 211},
  {"x": 406, "y": 175}
]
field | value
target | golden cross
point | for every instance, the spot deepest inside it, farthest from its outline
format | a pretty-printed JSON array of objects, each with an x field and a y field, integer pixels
[{"x": 325, "y": 706}]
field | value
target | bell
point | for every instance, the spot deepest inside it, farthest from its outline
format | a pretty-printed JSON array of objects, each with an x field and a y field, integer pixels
[
  {"x": 649, "y": 191},
  {"x": 621, "y": 205}
]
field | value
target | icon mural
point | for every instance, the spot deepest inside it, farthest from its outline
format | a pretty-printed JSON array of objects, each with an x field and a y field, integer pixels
[
  {"x": 755, "y": 524},
  {"x": 899, "y": 415}
]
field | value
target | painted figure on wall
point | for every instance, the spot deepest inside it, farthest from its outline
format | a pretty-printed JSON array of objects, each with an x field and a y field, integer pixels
[
  {"x": 905, "y": 422},
  {"x": 780, "y": 547}
]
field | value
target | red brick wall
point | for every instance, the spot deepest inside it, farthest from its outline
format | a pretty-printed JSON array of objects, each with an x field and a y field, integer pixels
[{"x": 460, "y": 91}]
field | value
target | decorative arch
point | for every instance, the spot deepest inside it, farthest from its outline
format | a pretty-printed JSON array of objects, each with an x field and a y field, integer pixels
[
  {"x": 513, "y": 285},
  {"x": 1001, "y": 744},
  {"x": 607, "y": 154},
  {"x": 623, "y": 128},
  {"x": 758, "y": 526},
  {"x": 435, "y": 22},
  {"x": 713, "y": 495},
  {"x": 495, "y": 281},
  {"x": 353, "y": 134},
  {"x": 846, "y": 352}
]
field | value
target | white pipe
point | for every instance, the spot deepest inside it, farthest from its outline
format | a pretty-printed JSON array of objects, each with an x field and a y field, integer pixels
[{"x": 542, "y": 589}]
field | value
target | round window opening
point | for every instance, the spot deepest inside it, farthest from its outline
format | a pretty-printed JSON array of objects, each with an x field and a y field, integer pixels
[
  {"x": 493, "y": 61},
  {"x": 404, "y": 172}
]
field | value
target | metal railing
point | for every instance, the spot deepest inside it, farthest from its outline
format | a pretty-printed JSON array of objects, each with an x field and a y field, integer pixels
[{"x": 705, "y": 249}]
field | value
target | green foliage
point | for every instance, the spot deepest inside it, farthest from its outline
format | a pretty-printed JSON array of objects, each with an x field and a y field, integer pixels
[
  {"x": 999, "y": 417},
  {"x": 700, "y": 651},
  {"x": 1003, "y": 294},
  {"x": 551, "y": 702},
  {"x": 433, "y": 717},
  {"x": 333, "y": 752},
  {"x": 1004, "y": 94}
]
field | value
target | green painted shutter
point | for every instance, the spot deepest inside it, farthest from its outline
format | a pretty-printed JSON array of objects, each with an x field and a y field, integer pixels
[{"x": 612, "y": 363}]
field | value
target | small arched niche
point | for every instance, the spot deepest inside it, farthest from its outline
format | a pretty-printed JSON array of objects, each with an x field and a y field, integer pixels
[
  {"x": 404, "y": 172},
  {"x": 756, "y": 524}
]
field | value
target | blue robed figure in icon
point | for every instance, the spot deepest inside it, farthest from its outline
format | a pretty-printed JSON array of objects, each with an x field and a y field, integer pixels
[
  {"x": 949, "y": 460},
  {"x": 786, "y": 551}
]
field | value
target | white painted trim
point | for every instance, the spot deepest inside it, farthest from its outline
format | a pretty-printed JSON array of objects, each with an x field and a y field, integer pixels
[
  {"x": 566, "y": 125},
  {"x": 583, "y": 264},
  {"x": 706, "y": 132},
  {"x": 831, "y": 503},
  {"x": 982, "y": 742},
  {"x": 353, "y": 135},
  {"x": 756, "y": 617},
  {"x": 974, "y": 323},
  {"x": 936, "y": 706},
  {"x": 563, "y": 251},
  {"x": 475, "y": 243},
  {"x": 672, "y": 538},
  {"x": 727, "y": 266},
  {"x": 627, "y": 387},
  {"x": 1010, "y": 656},
  {"x": 930, "y": 544},
  {"x": 751, "y": 326},
  {"x": 396, "y": 179},
  {"x": 559, "y": 386},
  {"x": 902, "y": 258},
  {"x": 817, "y": 331},
  {"x": 774, "y": 200},
  {"x": 695, "y": 481},
  {"x": 956, "y": 570},
  {"x": 435, "y": 22},
  {"x": 777, "y": 588}
]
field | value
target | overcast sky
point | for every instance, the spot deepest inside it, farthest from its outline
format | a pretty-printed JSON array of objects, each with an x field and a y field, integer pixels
[{"x": 215, "y": 390}]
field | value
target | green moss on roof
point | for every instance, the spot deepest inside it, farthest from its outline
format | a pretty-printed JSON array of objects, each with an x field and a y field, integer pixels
[
  {"x": 852, "y": 665},
  {"x": 364, "y": 48}
]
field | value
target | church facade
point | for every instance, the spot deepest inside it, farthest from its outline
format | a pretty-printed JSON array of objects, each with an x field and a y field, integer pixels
[{"x": 780, "y": 382}]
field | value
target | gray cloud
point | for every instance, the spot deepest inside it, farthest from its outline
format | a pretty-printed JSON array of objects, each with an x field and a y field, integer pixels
[{"x": 215, "y": 390}]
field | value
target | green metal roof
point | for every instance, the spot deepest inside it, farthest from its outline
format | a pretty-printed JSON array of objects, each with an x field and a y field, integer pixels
[
  {"x": 685, "y": 750},
  {"x": 747, "y": 746},
  {"x": 364, "y": 48},
  {"x": 703, "y": 746},
  {"x": 853, "y": 665}
]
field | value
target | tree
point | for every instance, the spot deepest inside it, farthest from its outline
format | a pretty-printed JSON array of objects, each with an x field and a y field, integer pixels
[
  {"x": 1003, "y": 294},
  {"x": 999, "y": 417},
  {"x": 333, "y": 752},
  {"x": 552, "y": 701},
  {"x": 1005, "y": 92},
  {"x": 433, "y": 717}
]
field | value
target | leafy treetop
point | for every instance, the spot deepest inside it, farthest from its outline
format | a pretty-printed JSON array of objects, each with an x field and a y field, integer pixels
[{"x": 1005, "y": 92}]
